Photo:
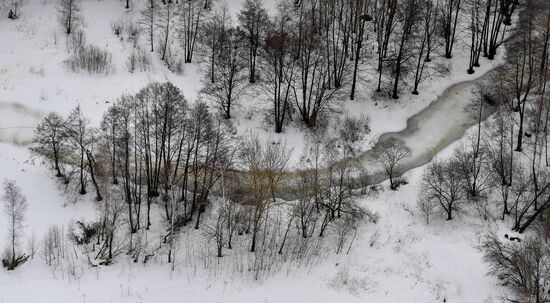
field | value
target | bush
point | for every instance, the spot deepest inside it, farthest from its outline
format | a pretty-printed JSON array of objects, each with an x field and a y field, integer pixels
[
  {"x": 82, "y": 233},
  {"x": 133, "y": 31},
  {"x": 354, "y": 128},
  {"x": 139, "y": 60},
  {"x": 349, "y": 282},
  {"x": 117, "y": 27},
  {"x": 76, "y": 40},
  {"x": 126, "y": 26},
  {"x": 174, "y": 63},
  {"x": 91, "y": 59},
  {"x": 9, "y": 263}
]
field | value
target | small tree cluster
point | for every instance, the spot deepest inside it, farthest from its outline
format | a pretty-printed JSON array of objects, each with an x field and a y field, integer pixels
[{"x": 522, "y": 267}]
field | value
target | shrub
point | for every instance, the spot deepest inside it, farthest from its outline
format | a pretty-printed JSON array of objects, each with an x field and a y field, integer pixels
[
  {"x": 126, "y": 26},
  {"x": 76, "y": 40},
  {"x": 174, "y": 62},
  {"x": 133, "y": 31},
  {"x": 139, "y": 60},
  {"x": 9, "y": 263},
  {"x": 354, "y": 128},
  {"x": 82, "y": 233},
  {"x": 91, "y": 59},
  {"x": 117, "y": 26}
]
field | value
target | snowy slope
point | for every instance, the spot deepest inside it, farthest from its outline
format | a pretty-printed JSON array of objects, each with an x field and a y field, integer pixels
[
  {"x": 33, "y": 77},
  {"x": 398, "y": 259}
]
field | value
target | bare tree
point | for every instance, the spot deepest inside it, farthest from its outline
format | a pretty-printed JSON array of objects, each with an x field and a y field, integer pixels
[
  {"x": 524, "y": 68},
  {"x": 523, "y": 267},
  {"x": 334, "y": 197},
  {"x": 50, "y": 139},
  {"x": 476, "y": 33},
  {"x": 449, "y": 18},
  {"x": 498, "y": 15},
  {"x": 279, "y": 68},
  {"x": 391, "y": 153},
  {"x": 426, "y": 205},
  {"x": 385, "y": 20},
  {"x": 443, "y": 184},
  {"x": 190, "y": 21},
  {"x": 214, "y": 37},
  {"x": 253, "y": 20},
  {"x": 266, "y": 164},
  {"x": 343, "y": 229},
  {"x": 52, "y": 243},
  {"x": 111, "y": 213},
  {"x": 312, "y": 88},
  {"x": 76, "y": 129},
  {"x": 336, "y": 18},
  {"x": 304, "y": 210},
  {"x": 408, "y": 14},
  {"x": 13, "y": 6},
  {"x": 502, "y": 158},
  {"x": 219, "y": 228},
  {"x": 360, "y": 35},
  {"x": 167, "y": 14},
  {"x": 148, "y": 20},
  {"x": 15, "y": 205},
  {"x": 425, "y": 44},
  {"x": 473, "y": 156},
  {"x": 229, "y": 80},
  {"x": 69, "y": 14}
]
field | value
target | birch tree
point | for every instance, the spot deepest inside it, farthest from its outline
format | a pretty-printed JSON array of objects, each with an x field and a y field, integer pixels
[{"x": 15, "y": 205}]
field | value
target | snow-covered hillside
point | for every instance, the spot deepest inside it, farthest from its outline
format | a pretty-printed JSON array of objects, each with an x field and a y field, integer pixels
[
  {"x": 391, "y": 255},
  {"x": 398, "y": 259},
  {"x": 34, "y": 80}
]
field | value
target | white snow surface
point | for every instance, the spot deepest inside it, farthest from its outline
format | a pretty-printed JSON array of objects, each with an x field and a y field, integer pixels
[
  {"x": 34, "y": 80},
  {"x": 398, "y": 259}
]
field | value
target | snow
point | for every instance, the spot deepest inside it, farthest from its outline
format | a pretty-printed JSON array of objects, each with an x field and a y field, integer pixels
[
  {"x": 39, "y": 86},
  {"x": 408, "y": 260},
  {"x": 47, "y": 203},
  {"x": 45, "y": 85},
  {"x": 398, "y": 259}
]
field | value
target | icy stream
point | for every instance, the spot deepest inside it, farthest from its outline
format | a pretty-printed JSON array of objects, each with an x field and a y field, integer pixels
[
  {"x": 437, "y": 126},
  {"x": 428, "y": 132}
]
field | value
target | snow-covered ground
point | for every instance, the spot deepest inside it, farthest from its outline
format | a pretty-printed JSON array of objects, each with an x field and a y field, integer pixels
[
  {"x": 33, "y": 76},
  {"x": 398, "y": 259}
]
